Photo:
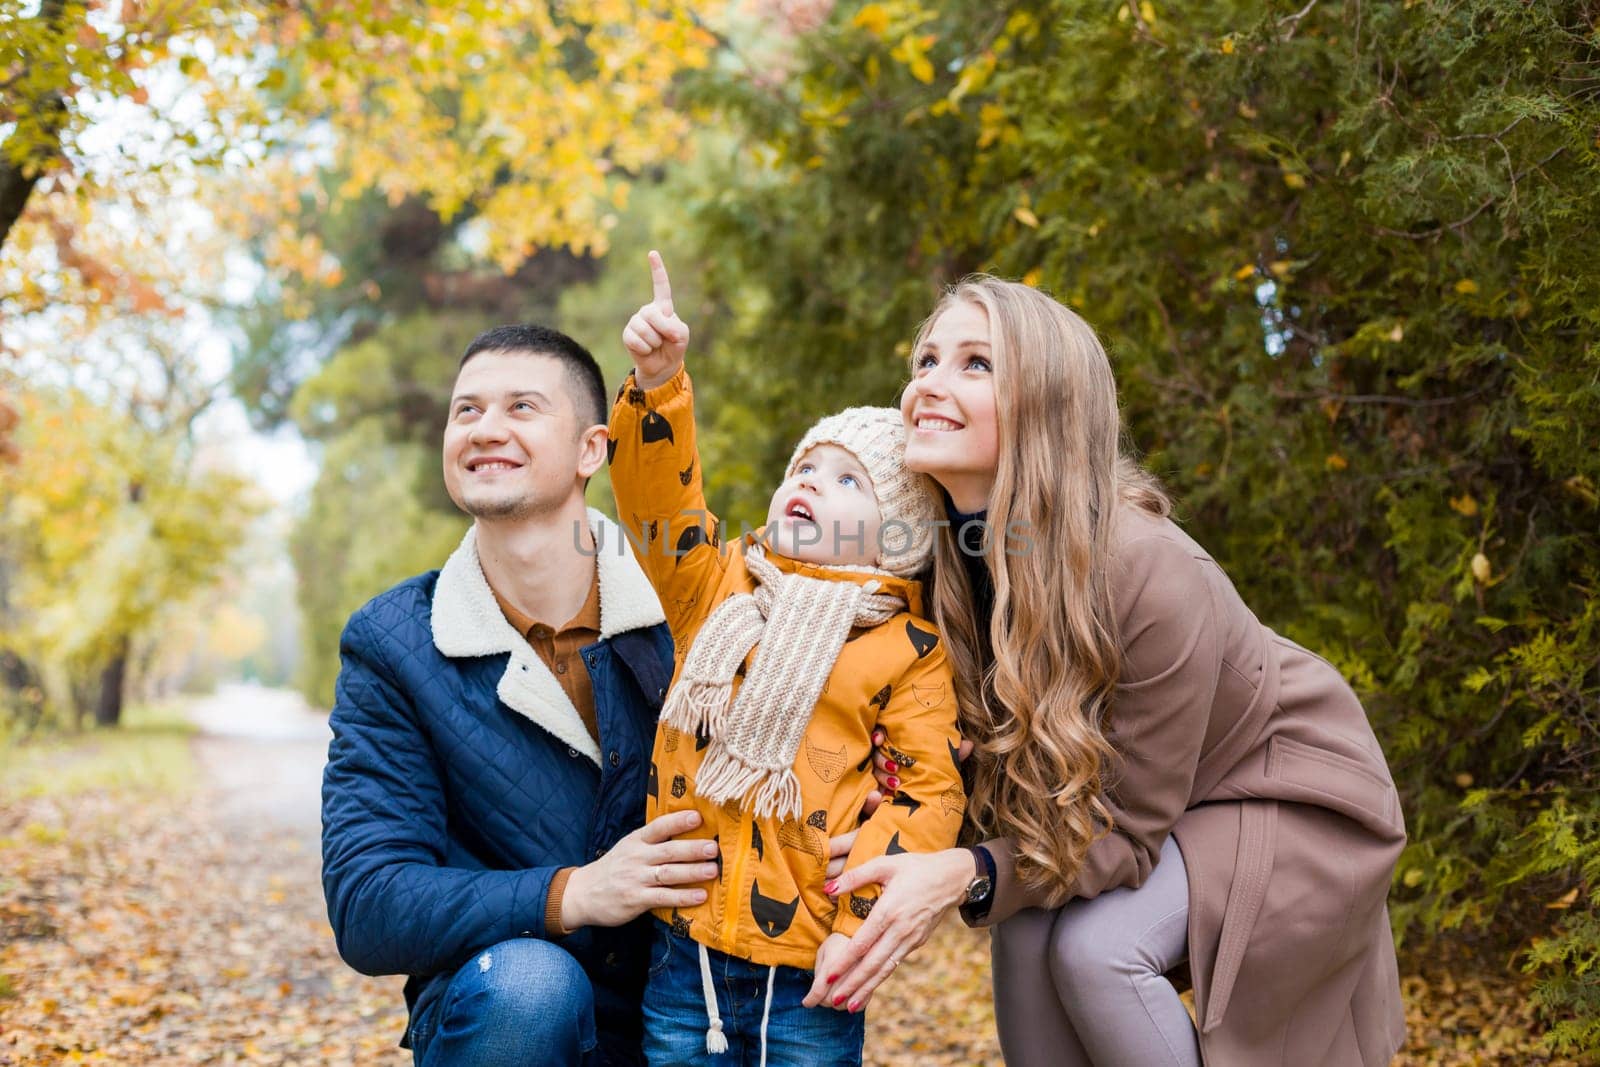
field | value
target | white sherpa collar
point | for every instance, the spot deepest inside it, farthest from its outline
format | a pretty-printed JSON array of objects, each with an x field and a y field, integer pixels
[{"x": 468, "y": 622}]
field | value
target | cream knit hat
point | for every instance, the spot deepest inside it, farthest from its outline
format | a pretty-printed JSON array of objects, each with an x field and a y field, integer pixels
[{"x": 909, "y": 502}]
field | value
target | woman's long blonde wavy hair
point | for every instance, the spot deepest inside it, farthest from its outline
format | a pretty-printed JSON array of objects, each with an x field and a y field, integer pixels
[{"x": 1036, "y": 686}]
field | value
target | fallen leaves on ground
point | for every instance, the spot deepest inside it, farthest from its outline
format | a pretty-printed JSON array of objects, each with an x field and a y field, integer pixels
[
  {"x": 135, "y": 930},
  {"x": 1462, "y": 1009}
]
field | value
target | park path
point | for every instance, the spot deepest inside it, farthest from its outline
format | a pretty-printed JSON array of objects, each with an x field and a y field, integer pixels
[{"x": 262, "y": 751}]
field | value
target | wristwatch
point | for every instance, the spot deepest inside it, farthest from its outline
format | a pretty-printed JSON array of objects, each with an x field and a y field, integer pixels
[{"x": 980, "y": 891}]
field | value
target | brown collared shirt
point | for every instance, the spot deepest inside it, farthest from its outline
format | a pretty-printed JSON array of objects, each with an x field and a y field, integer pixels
[{"x": 558, "y": 649}]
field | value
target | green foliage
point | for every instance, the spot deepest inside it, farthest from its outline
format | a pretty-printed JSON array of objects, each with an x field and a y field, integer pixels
[
  {"x": 149, "y": 751},
  {"x": 365, "y": 528},
  {"x": 1343, "y": 257}
]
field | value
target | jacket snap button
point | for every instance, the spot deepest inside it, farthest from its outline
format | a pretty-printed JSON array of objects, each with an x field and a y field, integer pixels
[
  {"x": 661, "y": 694},
  {"x": 611, "y": 959},
  {"x": 572, "y": 752},
  {"x": 524, "y": 668},
  {"x": 616, "y": 759},
  {"x": 599, "y": 852}
]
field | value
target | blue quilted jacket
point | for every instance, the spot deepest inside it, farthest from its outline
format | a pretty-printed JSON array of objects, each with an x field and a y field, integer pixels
[{"x": 460, "y": 778}]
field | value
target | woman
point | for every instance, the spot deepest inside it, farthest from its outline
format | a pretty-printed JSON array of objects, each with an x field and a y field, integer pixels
[{"x": 1162, "y": 778}]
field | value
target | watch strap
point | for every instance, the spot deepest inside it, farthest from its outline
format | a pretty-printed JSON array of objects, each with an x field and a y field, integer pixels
[{"x": 976, "y": 910}]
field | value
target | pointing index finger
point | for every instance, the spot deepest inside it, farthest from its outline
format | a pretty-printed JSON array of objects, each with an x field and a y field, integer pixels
[{"x": 659, "y": 282}]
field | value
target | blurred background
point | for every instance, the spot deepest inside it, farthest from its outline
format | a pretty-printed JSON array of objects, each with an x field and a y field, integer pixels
[{"x": 1345, "y": 256}]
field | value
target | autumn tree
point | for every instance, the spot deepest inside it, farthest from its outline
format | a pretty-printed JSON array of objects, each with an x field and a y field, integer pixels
[
  {"x": 101, "y": 542},
  {"x": 1342, "y": 256}
]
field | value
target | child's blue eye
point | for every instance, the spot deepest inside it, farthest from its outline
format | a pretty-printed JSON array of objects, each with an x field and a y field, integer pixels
[
  {"x": 848, "y": 479},
  {"x": 979, "y": 363},
  {"x": 805, "y": 468},
  {"x": 927, "y": 359}
]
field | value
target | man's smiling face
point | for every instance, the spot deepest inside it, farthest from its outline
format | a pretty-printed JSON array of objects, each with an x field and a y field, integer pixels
[{"x": 514, "y": 445}]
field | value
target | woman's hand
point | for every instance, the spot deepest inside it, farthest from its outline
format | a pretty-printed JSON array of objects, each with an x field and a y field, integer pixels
[
  {"x": 831, "y": 956},
  {"x": 918, "y": 889},
  {"x": 887, "y": 771},
  {"x": 655, "y": 337}
]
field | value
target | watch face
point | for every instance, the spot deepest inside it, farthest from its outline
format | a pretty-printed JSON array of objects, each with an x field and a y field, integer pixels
[{"x": 979, "y": 889}]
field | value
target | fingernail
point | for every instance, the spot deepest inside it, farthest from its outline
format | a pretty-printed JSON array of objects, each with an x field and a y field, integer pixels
[
  {"x": 838, "y": 1000},
  {"x": 830, "y": 888},
  {"x": 894, "y": 783},
  {"x": 877, "y": 737},
  {"x": 890, "y": 765},
  {"x": 855, "y": 1005},
  {"x": 710, "y": 850},
  {"x": 832, "y": 978}
]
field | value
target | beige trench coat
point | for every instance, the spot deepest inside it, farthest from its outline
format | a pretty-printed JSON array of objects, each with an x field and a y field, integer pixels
[{"x": 1258, "y": 758}]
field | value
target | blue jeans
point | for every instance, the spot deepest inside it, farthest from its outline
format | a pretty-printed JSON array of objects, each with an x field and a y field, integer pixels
[
  {"x": 521, "y": 1003},
  {"x": 676, "y": 1020}
]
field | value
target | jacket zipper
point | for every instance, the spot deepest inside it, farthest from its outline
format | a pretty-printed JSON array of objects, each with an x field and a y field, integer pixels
[{"x": 731, "y": 902}]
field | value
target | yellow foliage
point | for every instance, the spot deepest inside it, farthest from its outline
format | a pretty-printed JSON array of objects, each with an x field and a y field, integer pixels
[
  {"x": 873, "y": 18},
  {"x": 912, "y": 51}
]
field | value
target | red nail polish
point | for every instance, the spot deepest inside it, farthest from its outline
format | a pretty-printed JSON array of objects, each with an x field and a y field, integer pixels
[
  {"x": 894, "y": 783},
  {"x": 830, "y": 888},
  {"x": 890, "y": 765},
  {"x": 855, "y": 1005},
  {"x": 838, "y": 1000},
  {"x": 832, "y": 978}
]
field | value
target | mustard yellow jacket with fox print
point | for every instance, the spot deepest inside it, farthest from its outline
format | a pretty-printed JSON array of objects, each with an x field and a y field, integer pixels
[{"x": 767, "y": 904}]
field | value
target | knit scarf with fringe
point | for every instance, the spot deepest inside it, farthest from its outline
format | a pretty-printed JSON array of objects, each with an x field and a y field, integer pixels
[{"x": 801, "y": 624}]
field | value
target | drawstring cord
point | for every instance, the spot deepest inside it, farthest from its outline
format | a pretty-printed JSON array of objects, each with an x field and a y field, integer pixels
[
  {"x": 766, "y": 1011},
  {"x": 716, "y": 1040}
]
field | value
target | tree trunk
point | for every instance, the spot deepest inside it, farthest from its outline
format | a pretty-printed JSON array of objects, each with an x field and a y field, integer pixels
[
  {"x": 19, "y": 172},
  {"x": 113, "y": 682}
]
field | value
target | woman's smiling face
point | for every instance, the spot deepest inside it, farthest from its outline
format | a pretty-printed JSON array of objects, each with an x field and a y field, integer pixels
[{"x": 952, "y": 433}]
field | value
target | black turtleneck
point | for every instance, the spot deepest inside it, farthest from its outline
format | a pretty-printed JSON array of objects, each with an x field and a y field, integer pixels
[{"x": 969, "y": 529}]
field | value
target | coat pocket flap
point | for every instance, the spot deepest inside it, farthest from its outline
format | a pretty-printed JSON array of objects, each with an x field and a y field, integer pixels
[{"x": 1332, "y": 780}]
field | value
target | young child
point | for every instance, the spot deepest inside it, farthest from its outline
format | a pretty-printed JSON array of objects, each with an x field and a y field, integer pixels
[{"x": 793, "y": 644}]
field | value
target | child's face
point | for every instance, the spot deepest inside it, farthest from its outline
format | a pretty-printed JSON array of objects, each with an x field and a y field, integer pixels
[{"x": 827, "y": 511}]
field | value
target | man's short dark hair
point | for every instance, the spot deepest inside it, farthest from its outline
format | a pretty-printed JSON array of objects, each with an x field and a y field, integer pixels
[{"x": 589, "y": 396}]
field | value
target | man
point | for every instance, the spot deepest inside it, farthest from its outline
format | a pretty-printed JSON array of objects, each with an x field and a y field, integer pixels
[{"x": 492, "y": 727}]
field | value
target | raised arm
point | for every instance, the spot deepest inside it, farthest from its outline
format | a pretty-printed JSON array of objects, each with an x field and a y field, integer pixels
[{"x": 655, "y": 464}]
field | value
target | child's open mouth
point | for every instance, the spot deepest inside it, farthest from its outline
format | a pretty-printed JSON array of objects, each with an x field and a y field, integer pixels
[{"x": 797, "y": 509}]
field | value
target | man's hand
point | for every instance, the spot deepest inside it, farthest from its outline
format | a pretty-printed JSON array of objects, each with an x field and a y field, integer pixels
[
  {"x": 655, "y": 337},
  {"x": 642, "y": 872}
]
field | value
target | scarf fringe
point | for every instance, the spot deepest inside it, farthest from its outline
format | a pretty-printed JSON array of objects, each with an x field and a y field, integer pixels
[
  {"x": 698, "y": 707},
  {"x": 766, "y": 791}
]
